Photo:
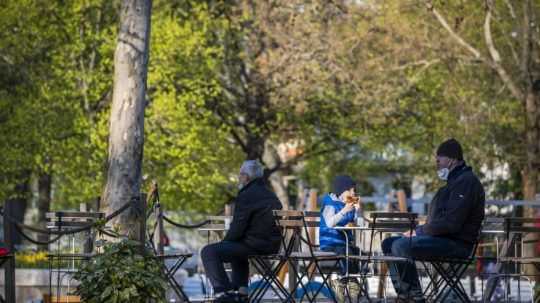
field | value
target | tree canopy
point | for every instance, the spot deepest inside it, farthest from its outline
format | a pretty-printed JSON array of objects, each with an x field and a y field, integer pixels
[{"x": 362, "y": 87}]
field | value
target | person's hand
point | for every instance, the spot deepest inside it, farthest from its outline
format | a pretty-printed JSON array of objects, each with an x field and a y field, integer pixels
[
  {"x": 348, "y": 207},
  {"x": 409, "y": 234}
]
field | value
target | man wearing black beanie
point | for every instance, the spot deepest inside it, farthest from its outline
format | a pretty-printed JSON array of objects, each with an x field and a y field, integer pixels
[{"x": 452, "y": 227}]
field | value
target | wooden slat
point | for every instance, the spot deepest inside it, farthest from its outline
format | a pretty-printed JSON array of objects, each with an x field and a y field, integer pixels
[
  {"x": 66, "y": 224},
  {"x": 74, "y": 214},
  {"x": 518, "y": 220},
  {"x": 82, "y": 220},
  {"x": 493, "y": 220},
  {"x": 398, "y": 225},
  {"x": 290, "y": 223},
  {"x": 288, "y": 213},
  {"x": 523, "y": 229},
  {"x": 312, "y": 223},
  {"x": 377, "y": 215},
  {"x": 385, "y": 220},
  {"x": 312, "y": 214}
]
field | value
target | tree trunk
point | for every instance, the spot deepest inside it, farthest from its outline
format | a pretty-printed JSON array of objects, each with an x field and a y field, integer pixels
[
  {"x": 530, "y": 174},
  {"x": 271, "y": 159},
  {"x": 17, "y": 202},
  {"x": 278, "y": 184},
  {"x": 126, "y": 128},
  {"x": 44, "y": 205}
]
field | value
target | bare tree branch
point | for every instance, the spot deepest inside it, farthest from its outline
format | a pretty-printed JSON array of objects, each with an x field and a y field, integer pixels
[
  {"x": 510, "y": 9},
  {"x": 526, "y": 43},
  {"x": 496, "y": 57},
  {"x": 452, "y": 33}
]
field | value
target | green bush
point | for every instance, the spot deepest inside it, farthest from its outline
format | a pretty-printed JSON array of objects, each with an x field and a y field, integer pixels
[{"x": 122, "y": 274}]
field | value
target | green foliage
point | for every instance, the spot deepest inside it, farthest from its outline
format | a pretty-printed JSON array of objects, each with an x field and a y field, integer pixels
[
  {"x": 186, "y": 150},
  {"x": 368, "y": 90},
  {"x": 60, "y": 53},
  {"x": 122, "y": 274}
]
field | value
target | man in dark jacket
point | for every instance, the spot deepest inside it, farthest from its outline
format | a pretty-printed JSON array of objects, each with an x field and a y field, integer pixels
[
  {"x": 251, "y": 232},
  {"x": 452, "y": 227}
]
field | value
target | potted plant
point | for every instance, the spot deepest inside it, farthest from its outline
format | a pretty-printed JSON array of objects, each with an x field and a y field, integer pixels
[{"x": 123, "y": 273}]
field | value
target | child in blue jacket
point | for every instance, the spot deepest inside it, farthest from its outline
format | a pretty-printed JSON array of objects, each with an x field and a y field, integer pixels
[{"x": 336, "y": 212}]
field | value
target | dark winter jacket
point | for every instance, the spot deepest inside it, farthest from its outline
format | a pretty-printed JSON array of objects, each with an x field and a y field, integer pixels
[
  {"x": 457, "y": 210},
  {"x": 253, "y": 221}
]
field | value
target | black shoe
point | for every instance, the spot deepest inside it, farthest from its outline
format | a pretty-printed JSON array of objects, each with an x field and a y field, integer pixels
[
  {"x": 232, "y": 297},
  {"x": 242, "y": 298},
  {"x": 228, "y": 297},
  {"x": 409, "y": 299}
]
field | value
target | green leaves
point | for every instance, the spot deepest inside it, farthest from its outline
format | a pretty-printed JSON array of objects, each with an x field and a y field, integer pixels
[
  {"x": 369, "y": 89},
  {"x": 122, "y": 274}
]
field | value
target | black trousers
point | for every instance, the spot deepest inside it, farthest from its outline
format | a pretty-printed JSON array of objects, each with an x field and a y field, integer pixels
[{"x": 215, "y": 255}]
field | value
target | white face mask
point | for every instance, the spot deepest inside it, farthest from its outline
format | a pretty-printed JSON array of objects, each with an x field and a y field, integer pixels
[{"x": 443, "y": 173}]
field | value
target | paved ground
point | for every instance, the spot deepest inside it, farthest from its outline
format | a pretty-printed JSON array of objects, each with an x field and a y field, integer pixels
[{"x": 195, "y": 286}]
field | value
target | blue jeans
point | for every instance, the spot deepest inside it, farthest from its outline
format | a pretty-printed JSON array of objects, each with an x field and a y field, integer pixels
[{"x": 404, "y": 274}]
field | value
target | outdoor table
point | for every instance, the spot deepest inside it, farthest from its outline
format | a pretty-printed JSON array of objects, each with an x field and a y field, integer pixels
[
  {"x": 379, "y": 222},
  {"x": 170, "y": 272},
  {"x": 355, "y": 229},
  {"x": 218, "y": 228},
  {"x": 362, "y": 229}
]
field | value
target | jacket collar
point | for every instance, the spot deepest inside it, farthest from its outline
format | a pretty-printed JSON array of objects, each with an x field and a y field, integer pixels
[
  {"x": 457, "y": 171},
  {"x": 250, "y": 183},
  {"x": 334, "y": 197}
]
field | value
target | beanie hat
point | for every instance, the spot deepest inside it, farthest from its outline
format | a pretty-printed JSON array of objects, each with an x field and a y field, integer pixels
[
  {"x": 451, "y": 149},
  {"x": 342, "y": 184}
]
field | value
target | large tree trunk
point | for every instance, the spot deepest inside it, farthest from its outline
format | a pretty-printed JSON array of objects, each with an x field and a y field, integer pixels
[
  {"x": 17, "y": 204},
  {"x": 271, "y": 159},
  {"x": 43, "y": 205},
  {"x": 530, "y": 173},
  {"x": 126, "y": 126}
]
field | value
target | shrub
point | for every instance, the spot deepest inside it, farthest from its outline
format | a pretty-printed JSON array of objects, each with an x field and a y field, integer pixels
[{"x": 123, "y": 273}]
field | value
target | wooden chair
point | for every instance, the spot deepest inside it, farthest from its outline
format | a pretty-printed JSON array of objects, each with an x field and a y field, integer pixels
[{"x": 307, "y": 255}]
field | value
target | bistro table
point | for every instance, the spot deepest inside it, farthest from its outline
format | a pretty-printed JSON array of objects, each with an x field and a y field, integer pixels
[{"x": 170, "y": 272}]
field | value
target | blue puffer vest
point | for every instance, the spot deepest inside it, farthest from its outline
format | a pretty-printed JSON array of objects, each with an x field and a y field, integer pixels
[{"x": 330, "y": 237}]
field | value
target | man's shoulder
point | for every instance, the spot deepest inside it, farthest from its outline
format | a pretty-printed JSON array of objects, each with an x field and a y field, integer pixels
[
  {"x": 468, "y": 176},
  {"x": 257, "y": 191},
  {"x": 470, "y": 180}
]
